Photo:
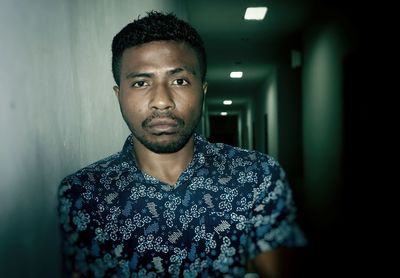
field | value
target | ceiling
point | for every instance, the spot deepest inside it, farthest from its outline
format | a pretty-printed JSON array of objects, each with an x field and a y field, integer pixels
[{"x": 253, "y": 47}]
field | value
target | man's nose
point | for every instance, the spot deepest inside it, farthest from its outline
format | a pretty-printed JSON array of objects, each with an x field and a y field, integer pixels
[{"x": 162, "y": 98}]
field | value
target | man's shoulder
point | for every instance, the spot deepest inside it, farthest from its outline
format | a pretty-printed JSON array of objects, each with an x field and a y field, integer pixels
[
  {"x": 231, "y": 152},
  {"x": 236, "y": 153},
  {"x": 246, "y": 161},
  {"x": 94, "y": 171}
]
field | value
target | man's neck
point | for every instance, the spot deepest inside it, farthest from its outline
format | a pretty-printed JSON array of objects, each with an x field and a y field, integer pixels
[{"x": 164, "y": 167}]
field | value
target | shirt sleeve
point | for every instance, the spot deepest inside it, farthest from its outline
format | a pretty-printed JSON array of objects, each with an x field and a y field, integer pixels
[
  {"x": 273, "y": 222},
  {"x": 72, "y": 219}
]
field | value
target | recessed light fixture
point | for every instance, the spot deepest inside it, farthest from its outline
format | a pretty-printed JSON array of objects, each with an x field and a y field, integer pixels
[
  {"x": 255, "y": 13},
  {"x": 236, "y": 74},
  {"x": 224, "y": 113},
  {"x": 227, "y": 102}
]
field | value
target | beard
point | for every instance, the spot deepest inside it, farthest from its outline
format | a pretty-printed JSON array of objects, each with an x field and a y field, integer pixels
[{"x": 174, "y": 141}]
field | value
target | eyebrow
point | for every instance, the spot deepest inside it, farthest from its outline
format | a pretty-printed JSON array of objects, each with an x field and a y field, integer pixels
[
  {"x": 181, "y": 69},
  {"x": 135, "y": 74}
]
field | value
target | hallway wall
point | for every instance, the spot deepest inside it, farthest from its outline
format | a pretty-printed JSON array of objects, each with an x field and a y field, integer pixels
[
  {"x": 326, "y": 45},
  {"x": 322, "y": 114},
  {"x": 266, "y": 115},
  {"x": 58, "y": 113}
]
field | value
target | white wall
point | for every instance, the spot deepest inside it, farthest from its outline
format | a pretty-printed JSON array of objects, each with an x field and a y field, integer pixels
[{"x": 57, "y": 114}]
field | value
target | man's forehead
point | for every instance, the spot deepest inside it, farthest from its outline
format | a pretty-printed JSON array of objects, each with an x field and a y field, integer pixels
[{"x": 155, "y": 55}]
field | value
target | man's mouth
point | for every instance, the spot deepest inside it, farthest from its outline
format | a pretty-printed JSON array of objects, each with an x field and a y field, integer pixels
[{"x": 160, "y": 126}]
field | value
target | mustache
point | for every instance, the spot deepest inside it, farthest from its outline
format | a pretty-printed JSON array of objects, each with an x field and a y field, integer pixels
[{"x": 162, "y": 115}]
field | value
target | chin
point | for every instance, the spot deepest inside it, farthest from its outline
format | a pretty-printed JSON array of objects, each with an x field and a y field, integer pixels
[{"x": 165, "y": 143}]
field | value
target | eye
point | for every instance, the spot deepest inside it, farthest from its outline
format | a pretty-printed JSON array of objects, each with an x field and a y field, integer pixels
[
  {"x": 180, "y": 82},
  {"x": 140, "y": 84}
]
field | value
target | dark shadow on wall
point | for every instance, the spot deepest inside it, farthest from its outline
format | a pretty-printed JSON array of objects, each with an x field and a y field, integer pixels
[{"x": 224, "y": 129}]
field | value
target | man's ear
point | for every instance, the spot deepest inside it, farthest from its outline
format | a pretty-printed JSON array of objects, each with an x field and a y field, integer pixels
[
  {"x": 116, "y": 90},
  {"x": 205, "y": 87}
]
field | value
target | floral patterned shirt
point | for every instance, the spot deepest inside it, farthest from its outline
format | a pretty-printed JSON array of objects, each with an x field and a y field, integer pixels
[{"x": 228, "y": 206}]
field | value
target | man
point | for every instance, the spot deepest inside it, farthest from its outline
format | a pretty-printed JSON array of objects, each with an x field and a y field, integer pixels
[{"x": 170, "y": 203}]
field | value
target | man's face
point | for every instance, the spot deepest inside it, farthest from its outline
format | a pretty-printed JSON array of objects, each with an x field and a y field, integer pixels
[{"x": 161, "y": 94}]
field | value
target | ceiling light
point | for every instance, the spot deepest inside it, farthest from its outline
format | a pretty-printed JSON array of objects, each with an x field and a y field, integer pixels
[
  {"x": 227, "y": 102},
  {"x": 224, "y": 113},
  {"x": 255, "y": 13},
  {"x": 236, "y": 74}
]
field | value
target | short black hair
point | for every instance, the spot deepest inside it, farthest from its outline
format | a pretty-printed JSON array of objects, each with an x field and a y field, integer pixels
[{"x": 156, "y": 26}]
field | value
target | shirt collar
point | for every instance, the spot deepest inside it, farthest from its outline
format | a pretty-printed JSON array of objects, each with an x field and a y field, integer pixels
[{"x": 202, "y": 149}]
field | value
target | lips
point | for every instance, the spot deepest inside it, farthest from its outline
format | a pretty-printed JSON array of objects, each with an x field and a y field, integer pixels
[{"x": 162, "y": 125}]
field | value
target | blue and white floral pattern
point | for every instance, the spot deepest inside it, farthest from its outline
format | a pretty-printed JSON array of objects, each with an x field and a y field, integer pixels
[{"x": 227, "y": 206}]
